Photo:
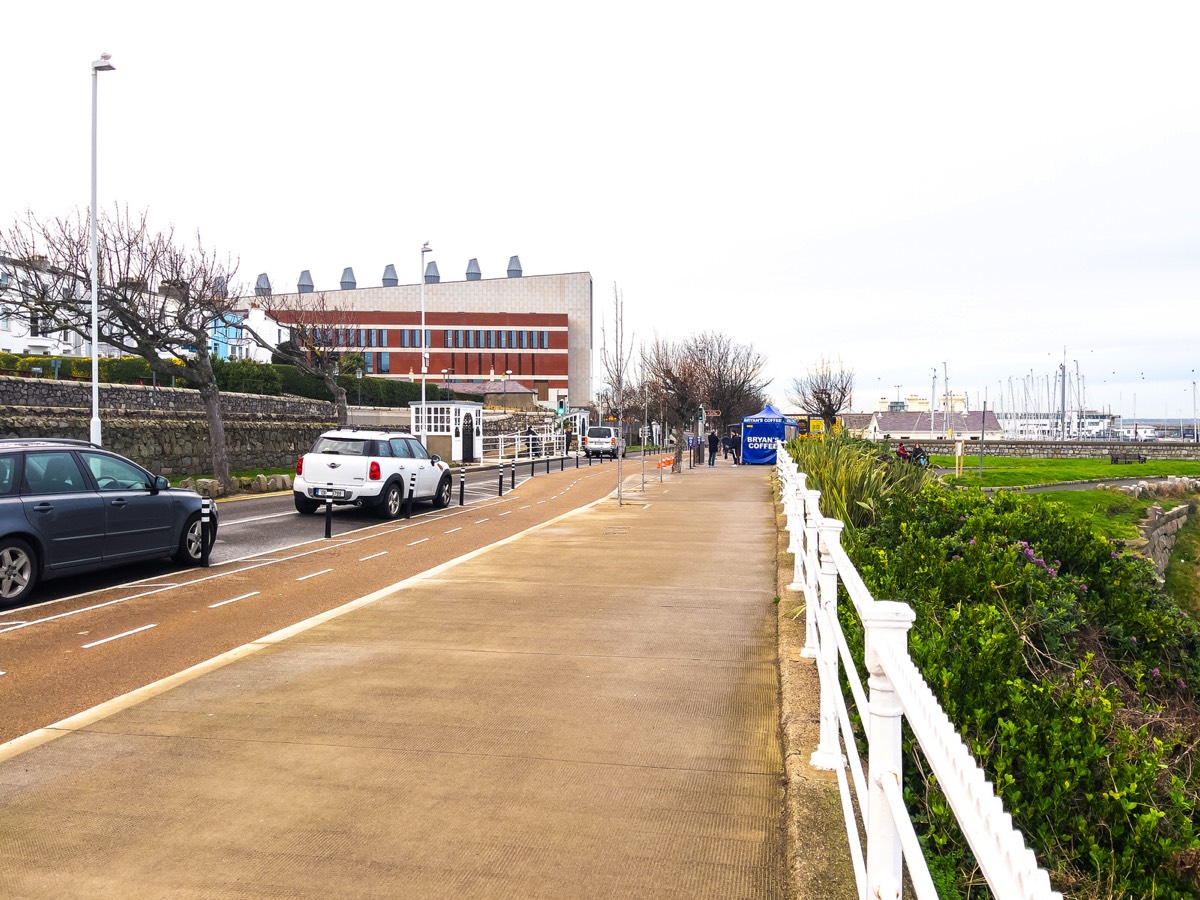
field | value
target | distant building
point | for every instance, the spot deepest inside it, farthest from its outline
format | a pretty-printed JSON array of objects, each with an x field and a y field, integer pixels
[
  {"x": 535, "y": 330},
  {"x": 917, "y": 426}
]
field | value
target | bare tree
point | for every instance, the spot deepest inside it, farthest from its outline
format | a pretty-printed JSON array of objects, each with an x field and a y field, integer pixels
[
  {"x": 159, "y": 299},
  {"x": 706, "y": 370},
  {"x": 319, "y": 329},
  {"x": 616, "y": 362},
  {"x": 823, "y": 391}
]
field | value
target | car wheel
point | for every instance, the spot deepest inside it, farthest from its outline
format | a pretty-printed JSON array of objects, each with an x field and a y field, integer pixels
[
  {"x": 305, "y": 505},
  {"x": 442, "y": 498},
  {"x": 189, "y": 551},
  {"x": 391, "y": 503},
  {"x": 18, "y": 570}
]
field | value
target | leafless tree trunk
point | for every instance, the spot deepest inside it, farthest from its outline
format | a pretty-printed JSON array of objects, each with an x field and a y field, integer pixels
[
  {"x": 823, "y": 391},
  {"x": 617, "y": 373}
]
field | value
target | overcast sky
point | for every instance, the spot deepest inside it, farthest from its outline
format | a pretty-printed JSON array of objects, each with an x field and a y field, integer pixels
[{"x": 900, "y": 187}]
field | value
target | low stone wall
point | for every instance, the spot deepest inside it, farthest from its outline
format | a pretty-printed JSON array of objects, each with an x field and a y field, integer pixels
[
  {"x": 1060, "y": 449},
  {"x": 1159, "y": 533},
  {"x": 165, "y": 429}
]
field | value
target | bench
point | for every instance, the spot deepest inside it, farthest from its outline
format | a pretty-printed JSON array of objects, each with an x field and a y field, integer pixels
[{"x": 1126, "y": 458}]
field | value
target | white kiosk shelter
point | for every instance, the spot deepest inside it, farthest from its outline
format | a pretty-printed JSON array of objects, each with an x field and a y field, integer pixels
[{"x": 455, "y": 428}]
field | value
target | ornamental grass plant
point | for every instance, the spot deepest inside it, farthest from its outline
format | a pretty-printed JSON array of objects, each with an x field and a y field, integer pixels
[{"x": 1068, "y": 671}]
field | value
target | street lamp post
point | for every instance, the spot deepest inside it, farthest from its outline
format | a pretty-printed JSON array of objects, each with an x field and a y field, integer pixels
[
  {"x": 358, "y": 373},
  {"x": 424, "y": 350},
  {"x": 507, "y": 375},
  {"x": 445, "y": 383},
  {"x": 100, "y": 65}
]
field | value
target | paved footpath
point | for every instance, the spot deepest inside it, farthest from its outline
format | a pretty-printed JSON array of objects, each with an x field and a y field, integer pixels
[{"x": 588, "y": 710}]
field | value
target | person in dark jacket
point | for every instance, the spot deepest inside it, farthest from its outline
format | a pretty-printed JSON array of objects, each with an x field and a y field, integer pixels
[{"x": 713, "y": 443}]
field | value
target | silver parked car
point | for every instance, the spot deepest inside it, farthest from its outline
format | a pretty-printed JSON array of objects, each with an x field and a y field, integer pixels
[{"x": 69, "y": 506}]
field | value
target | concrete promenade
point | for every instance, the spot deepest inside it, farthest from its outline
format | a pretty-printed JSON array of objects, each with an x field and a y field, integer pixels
[{"x": 588, "y": 710}]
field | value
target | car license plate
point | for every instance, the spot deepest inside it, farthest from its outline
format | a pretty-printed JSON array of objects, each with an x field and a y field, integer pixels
[{"x": 331, "y": 493}]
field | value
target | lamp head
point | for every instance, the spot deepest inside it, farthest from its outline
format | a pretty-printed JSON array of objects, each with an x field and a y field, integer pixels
[{"x": 103, "y": 64}]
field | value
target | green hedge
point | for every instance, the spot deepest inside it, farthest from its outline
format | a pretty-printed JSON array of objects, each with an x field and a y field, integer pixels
[{"x": 1069, "y": 673}]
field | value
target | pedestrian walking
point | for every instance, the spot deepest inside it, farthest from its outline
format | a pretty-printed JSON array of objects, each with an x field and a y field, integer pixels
[
  {"x": 725, "y": 442},
  {"x": 713, "y": 443},
  {"x": 735, "y": 441}
]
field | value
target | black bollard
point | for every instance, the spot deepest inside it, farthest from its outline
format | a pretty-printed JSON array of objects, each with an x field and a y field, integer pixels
[
  {"x": 547, "y": 465},
  {"x": 412, "y": 490},
  {"x": 328, "y": 518},
  {"x": 513, "y": 473},
  {"x": 562, "y": 463},
  {"x": 532, "y": 466},
  {"x": 205, "y": 529},
  {"x": 462, "y": 485},
  {"x": 500, "y": 487}
]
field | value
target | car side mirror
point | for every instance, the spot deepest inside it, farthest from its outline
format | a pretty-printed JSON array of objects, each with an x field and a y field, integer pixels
[
  {"x": 434, "y": 460},
  {"x": 160, "y": 484}
]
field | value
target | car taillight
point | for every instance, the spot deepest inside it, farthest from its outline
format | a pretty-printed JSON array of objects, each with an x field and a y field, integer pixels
[
  {"x": 373, "y": 472},
  {"x": 300, "y": 466}
]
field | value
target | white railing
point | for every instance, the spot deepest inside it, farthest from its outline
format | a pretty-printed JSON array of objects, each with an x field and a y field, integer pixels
[
  {"x": 897, "y": 690},
  {"x": 518, "y": 446}
]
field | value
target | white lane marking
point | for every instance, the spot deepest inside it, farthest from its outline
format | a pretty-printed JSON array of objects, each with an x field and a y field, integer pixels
[
  {"x": 526, "y": 506},
  {"x": 225, "y": 523},
  {"x": 314, "y": 575},
  {"x": 481, "y": 521},
  {"x": 115, "y": 636},
  {"x": 3, "y": 673},
  {"x": 421, "y": 541},
  {"x": 452, "y": 530},
  {"x": 646, "y": 507},
  {"x": 541, "y": 501},
  {"x": 506, "y": 512},
  {"x": 372, "y": 556},
  {"x": 233, "y": 599}
]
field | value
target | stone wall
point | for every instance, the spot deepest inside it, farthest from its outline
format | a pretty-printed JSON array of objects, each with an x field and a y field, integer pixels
[
  {"x": 1061, "y": 449},
  {"x": 1159, "y": 533},
  {"x": 165, "y": 429}
]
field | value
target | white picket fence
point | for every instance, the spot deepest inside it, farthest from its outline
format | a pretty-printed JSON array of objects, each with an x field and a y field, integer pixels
[{"x": 897, "y": 690}]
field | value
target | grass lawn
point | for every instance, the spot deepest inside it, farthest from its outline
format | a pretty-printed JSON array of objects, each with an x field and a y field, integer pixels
[
  {"x": 1183, "y": 572},
  {"x": 1013, "y": 471},
  {"x": 1109, "y": 513}
]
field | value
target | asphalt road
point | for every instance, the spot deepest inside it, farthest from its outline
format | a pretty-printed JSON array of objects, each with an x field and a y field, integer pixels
[{"x": 88, "y": 639}]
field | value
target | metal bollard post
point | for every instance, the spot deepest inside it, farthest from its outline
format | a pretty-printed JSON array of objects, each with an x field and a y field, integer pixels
[
  {"x": 412, "y": 490},
  {"x": 513, "y": 473},
  {"x": 589, "y": 460},
  {"x": 577, "y": 459},
  {"x": 562, "y": 463},
  {"x": 328, "y": 518},
  {"x": 500, "y": 486},
  {"x": 462, "y": 485},
  {"x": 547, "y": 465},
  {"x": 205, "y": 529},
  {"x": 532, "y": 466}
]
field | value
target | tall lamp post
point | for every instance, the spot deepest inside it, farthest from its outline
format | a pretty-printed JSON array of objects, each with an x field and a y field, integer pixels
[
  {"x": 424, "y": 351},
  {"x": 100, "y": 65},
  {"x": 507, "y": 375}
]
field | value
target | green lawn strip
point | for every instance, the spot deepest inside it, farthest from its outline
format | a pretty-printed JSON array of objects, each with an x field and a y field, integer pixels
[
  {"x": 1183, "y": 572},
  {"x": 1011, "y": 471},
  {"x": 1110, "y": 514}
]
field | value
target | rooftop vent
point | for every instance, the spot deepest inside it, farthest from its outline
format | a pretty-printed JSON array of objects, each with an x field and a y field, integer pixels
[
  {"x": 305, "y": 284},
  {"x": 473, "y": 273},
  {"x": 514, "y": 267},
  {"x": 389, "y": 276},
  {"x": 262, "y": 287},
  {"x": 432, "y": 276},
  {"x": 348, "y": 282}
]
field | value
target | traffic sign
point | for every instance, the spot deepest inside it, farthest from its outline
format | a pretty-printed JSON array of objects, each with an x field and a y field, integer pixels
[{"x": 711, "y": 413}]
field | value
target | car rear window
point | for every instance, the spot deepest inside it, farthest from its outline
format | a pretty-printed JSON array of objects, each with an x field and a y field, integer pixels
[
  {"x": 598, "y": 432},
  {"x": 343, "y": 446}
]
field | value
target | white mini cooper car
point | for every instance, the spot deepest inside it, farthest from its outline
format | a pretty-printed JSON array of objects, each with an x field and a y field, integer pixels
[{"x": 372, "y": 469}]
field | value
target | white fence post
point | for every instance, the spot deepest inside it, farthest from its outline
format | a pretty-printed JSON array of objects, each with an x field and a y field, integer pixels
[
  {"x": 828, "y": 754},
  {"x": 812, "y": 515},
  {"x": 885, "y": 622}
]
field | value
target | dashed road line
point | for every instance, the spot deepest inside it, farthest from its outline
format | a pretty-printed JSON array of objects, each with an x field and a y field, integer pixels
[
  {"x": 314, "y": 575},
  {"x": 116, "y": 636},
  {"x": 421, "y": 541},
  {"x": 452, "y": 530},
  {"x": 233, "y": 599},
  {"x": 372, "y": 556},
  {"x": 481, "y": 521}
]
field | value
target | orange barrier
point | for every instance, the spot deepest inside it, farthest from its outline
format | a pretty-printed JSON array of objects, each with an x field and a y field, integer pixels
[{"x": 666, "y": 462}]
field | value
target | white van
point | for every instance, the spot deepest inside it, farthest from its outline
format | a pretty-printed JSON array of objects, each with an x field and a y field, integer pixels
[{"x": 601, "y": 440}]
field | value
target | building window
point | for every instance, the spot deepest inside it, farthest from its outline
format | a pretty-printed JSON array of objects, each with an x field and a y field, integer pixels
[
  {"x": 545, "y": 340},
  {"x": 404, "y": 333},
  {"x": 385, "y": 363},
  {"x": 470, "y": 339},
  {"x": 503, "y": 340},
  {"x": 524, "y": 340},
  {"x": 428, "y": 338},
  {"x": 458, "y": 337},
  {"x": 448, "y": 338},
  {"x": 491, "y": 340}
]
